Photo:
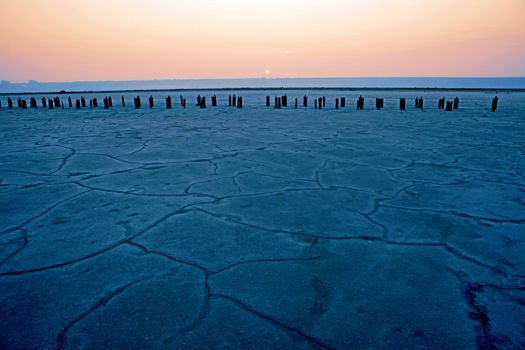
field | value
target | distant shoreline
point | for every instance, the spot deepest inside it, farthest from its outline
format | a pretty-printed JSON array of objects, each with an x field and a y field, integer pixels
[{"x": 267, "y": 89}]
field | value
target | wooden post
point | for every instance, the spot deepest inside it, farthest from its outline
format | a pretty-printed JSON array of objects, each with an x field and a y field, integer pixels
[
  {"x": 62, "y": 104},
  {"x": 456, "y": 103},
  {"x": 417, "y": 103},
  {"x": 203, "y": 102},
  {"x": 44, "y": 102},
  {"x": 24, "y": 104},
  {"x": 449, "y": 106},
  {"x": 198, "y": 101},
  {"x": 32, "y": 103},
  {"x": 315, "y": 104},
  {"x": 137, "y": 102},
  {"x": 360, "y": 103},
  {"x": 378, "y": 103},
  {"x": 285, "y": 101},
  {"x": 402, "y": 104},
  {"x": 494, "y": 104},
  {"x": 214, "y": 101},
  {"x": 110, "y": 102},
  {"x": 168, "y": 102},
  {"x": 320, "y": 103},
  {"x": 9, "y": 103},
  {"x": 239, "y": 102},
  {"x": 234, "y": 101},
  {"x": 343, "y": 102},
  {"x": 305, "y": 101},
  {"x": 295, "y": 103},
  {"x": 324, "y": 101},
  {"x": 184, "y": 102},
  {"x": 267, "y": 101},
  {"x": 441, "y": 103},
  {"x": 181, "y": 101},
  {"x": 70, "y": 101},
  {"x": 151, "y": 103},
  {"x": 19, "y": 103},
  {"x": 106, "y": 103},
  {"x": 229, "y": 100},
  {"x": 83, "y": 101},
  {"x": 77, "y": 104},
  {"x": 50, "y": 103},
  {"x": 337, "y": 103},
  {"x": 95, "y": 102},
  {"x": 90, "y": 104},
  {"x": 123, "y": 102}
]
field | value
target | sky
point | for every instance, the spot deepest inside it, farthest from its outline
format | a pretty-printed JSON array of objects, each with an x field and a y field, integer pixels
[{"x": 81, "y": 40}]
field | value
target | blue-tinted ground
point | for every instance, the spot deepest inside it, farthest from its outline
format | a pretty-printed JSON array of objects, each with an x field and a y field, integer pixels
[{"x": 262, "y": 228}]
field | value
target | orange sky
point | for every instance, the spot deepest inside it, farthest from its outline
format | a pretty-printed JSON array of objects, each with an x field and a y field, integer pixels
[{"x": 53, "y": 40}]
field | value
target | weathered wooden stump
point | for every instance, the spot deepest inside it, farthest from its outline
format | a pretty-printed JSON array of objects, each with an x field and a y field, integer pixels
[
  {"x": 168, "y": 102},
  {"x": 360, "y": 103},
  {"x": 449, "y": 106},
  {"x": 402, "y": 104},
  {"x": 70, "y": 102},
  {"x": 19, "y": 103},
  {"x": 57, "y": 102},
  {"x": 337, "y": 103},
  {"x": 95, "y": 102},
  {"x": 151, "y": 102},
  {"x": 214, "y": 101},
  {"x": 456, "y": 103},
  {"x": 44, "y": 102},
  {"x": 285, "y": 101},
  {"x": 305, "y": 101},
  {"x": 203, "y": 102},
  {"x": 234, "y": 101},
  {"x": 324, "y": 101},
  {"x": 441, "y": 103},
  {"x": 123, "y": 102},
  {"x": 343, "y": 102},
  {"x": 83, "y": 101},
  {"x": 295, "y": 103},
  {"x": 77, "y": 104},
  {"x": 267, "y": 101},
  {"x": 62, "y": 104},
  {"x": 32, "y": 103},
  {"x": 90, "y": 104},
  {"x": 106, "y": 103},
  {"x": 110, "y": 102},
  {"x": 229, "y": 100},
  {"x": 239, "y": 102},
  {"x": 315, "y": 104},
  {"x": 494, "y": 104},
  {"x": 379, "y": 103},
  {"x": 50, "y": 103},
  {"x": 9, "y": 103},
  {"x": 24, "y": 104},
  {"x": 420, "y": 103},
  {"x": 198, "y": 101}
]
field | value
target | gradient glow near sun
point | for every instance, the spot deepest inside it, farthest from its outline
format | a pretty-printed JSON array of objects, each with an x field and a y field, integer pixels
[{"x": 62, "y": 40}]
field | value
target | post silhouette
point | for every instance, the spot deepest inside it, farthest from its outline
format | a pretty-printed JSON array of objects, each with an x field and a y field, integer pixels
[
  {"x": 95, "y": 102},
  {"x": 456, "y": 103},
  {"x": 449, "y": 106},
  {"x": 441, "y": 103},
  {"x": 315, "y": 104},
  {"x": 50, "y": 103},
  {"x": 32, "y": 103},
  {"x": 19, "y": 103},
  {"x": 229, "y": 100},
  {"x": 168, "y": 102},
  {"x": 90, "y": 104},
  {"x": 494, "y": 104},
  {"x": 202, "y": 102},
  {"x": 106, "y": 103},
  {"x": 70, "y": 102},
  {"x": 77, "y": 104},
  {"x": 123, "y": 102},
  {"x": 9, "y": 103},
  {"x": 214, "y": 101},
  {"x": 151, "y": 103},
  {"x": 285, "y": 101},
  {"x": 110, "y": 102},
  {"x": 343, "y": 102},
  {"x": 83, "y": 101},
  {"x": 337, "y": 103},
  {"x": 295, "y": 103},
  {"x": 44, "y": 102},
  {"x": 136, "y": 100},
  {"x": 324, "y": 101},
  {"x": 24, "y": 104},
  {"x": 239, "y": 102},
  {"x": 305, "y": 101},
  {"x": 402, "y": 104},
  {"x": 267, "y": 101},
  {"x": 234, "y": 101},
  {"x": 417, "y": 103},
  {"x": 320, "y": 103}
]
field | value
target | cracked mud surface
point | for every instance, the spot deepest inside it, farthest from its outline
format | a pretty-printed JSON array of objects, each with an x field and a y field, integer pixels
[{"x": 264, "y": 229}]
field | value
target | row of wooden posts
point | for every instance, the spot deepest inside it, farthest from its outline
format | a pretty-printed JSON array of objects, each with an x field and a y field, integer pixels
[{"x": 233, "y": 101}]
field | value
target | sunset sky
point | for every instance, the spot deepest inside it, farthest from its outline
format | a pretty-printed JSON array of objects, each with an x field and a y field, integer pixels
[{"x": 53, "y": 40}]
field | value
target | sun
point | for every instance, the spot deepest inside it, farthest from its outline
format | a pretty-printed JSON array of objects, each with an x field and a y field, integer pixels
[{"x": 268, "y": 72}]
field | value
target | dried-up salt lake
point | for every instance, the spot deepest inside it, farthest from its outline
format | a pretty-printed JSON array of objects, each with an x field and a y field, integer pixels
[{"x": 263, "y": 228}]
